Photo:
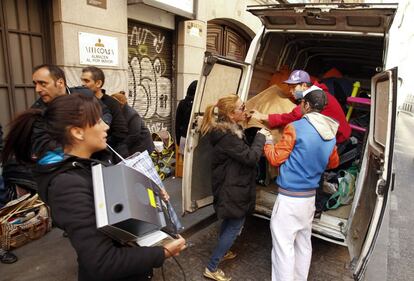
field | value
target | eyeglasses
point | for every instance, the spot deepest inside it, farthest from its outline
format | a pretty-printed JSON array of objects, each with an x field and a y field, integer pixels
[{"x": 242, "y": 107}]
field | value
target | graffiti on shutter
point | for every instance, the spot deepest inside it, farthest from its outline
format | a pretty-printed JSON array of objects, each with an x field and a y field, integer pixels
[{"x": 149, "y": 74}]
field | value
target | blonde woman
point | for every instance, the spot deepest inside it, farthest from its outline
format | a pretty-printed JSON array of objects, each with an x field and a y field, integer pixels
[{"x": 233, "y": 174}]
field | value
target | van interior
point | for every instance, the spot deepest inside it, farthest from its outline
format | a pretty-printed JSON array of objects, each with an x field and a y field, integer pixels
[
  {"x": 358, "y": 58},
  {"x": 354, "y": 59}
]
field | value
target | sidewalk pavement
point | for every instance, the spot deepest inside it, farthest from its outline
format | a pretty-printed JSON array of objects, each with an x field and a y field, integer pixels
[{"x": 52, "y": 258}]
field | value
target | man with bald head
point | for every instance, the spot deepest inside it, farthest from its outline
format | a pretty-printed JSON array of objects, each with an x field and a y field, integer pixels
[{"x": 50, "y": 82}]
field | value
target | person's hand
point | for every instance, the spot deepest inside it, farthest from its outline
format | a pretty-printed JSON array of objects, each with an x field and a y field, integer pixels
[
  {"x": 164, "y": 195},
  {"x": 267, "y": 134},
  {"x": 257, "y": 115},
  {"x": 174, "y": 248}
]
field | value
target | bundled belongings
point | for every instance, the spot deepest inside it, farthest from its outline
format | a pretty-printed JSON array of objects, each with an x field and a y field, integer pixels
[
  {"x": 23, "y": 220},
  {"x": 271, "y": 100},
  {"x": 163, "y": 154},
  {"x": 346, "y": 188}
]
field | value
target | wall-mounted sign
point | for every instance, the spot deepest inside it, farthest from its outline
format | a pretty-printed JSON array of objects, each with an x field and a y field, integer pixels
[
  {"x": 97, "y": 3},
  {"x": 98, "y": 49},
  {"x": 194, "y": 28}
]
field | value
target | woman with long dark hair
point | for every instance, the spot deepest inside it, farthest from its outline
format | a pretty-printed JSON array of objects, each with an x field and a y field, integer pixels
[{"x": 63, "y": 172}]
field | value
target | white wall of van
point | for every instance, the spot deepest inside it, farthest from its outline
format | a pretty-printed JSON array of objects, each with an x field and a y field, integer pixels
[
  {"x": 400, "y": 49},
  {"x": 399, "y": 54}
]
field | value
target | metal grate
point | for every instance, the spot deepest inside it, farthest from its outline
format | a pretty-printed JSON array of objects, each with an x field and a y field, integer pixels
[{"x": 22, "y": 42}]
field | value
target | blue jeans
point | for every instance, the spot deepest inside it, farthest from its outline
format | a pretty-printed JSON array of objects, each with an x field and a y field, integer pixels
[{"x": 229, "y": 230}]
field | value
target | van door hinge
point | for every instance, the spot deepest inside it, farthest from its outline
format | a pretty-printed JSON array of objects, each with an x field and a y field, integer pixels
[
  {"x": 209, "y": 61},
  {"x": 382, "y": 184}
]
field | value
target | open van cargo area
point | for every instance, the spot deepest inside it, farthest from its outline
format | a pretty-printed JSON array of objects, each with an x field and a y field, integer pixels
[{"x": 358, "y": 59}]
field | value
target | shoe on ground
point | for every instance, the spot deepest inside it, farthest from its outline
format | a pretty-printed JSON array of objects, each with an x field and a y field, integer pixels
[
  {"x": 7, "y": 257},
  {"x": 217, "y": 275},
  {"x": 229, "y": 256}
]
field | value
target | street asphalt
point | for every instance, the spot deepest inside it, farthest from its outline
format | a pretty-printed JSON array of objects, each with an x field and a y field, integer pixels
[{"x": 52, "y": 258}]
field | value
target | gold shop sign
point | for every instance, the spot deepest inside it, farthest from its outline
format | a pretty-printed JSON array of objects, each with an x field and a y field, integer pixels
[{"x": 97, "y": 49}]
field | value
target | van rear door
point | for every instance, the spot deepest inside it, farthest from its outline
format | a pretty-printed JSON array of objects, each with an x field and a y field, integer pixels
[
  {"x": 220, "y": 77},
  {"x": 350, "y": 18},
  {"x": 376, "y": 178}
]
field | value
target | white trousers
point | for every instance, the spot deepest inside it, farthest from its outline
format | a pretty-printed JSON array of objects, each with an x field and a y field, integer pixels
[{"x": 291, "y": 227}]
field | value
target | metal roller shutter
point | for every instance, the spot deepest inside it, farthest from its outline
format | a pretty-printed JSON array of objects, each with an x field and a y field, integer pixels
[{"x": 150, "y": 60}]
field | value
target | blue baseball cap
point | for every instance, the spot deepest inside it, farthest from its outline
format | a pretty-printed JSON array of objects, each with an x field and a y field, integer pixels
[{"x": 297, "y": 77}]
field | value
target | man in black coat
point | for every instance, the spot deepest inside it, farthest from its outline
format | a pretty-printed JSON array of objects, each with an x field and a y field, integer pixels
[
  {"x": 182, "y": 116},
  {"x": 93, "y": 78},
  {"x": 49, "y": 82},
  {"x": 139, "y": 137}
]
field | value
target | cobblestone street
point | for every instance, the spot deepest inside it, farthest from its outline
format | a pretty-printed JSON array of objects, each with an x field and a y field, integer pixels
[{"x": 329, "y": 261}]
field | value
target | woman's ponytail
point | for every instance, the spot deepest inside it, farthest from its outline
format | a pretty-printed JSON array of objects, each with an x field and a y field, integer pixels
[
  {"x": 225, "y": 106},
  {"x": 208, "y": 120},
  {"x": 18, "y": 140}
]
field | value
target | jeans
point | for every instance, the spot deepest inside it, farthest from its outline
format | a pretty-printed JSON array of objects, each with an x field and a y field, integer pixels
[{"x": 229, "y": 230}]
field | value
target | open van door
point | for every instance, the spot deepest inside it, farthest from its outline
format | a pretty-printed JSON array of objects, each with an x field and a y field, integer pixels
[
  {"x": 220, "y": 77},
  {"x": 350, "y": 18},
  {"x": 376, "y": 178}
]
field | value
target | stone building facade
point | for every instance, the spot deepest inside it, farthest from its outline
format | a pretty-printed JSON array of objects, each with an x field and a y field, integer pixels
[{"x": 151, "y": 49}]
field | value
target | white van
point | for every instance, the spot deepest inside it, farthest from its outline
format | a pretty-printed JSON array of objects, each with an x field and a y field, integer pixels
[{"x": 309, "y": 37}]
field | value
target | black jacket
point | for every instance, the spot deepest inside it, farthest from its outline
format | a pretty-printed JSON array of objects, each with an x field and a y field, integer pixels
[
  {"x": 106, "y": 113},
  {"x": 234, "y": 171},
  {"x": 118, "y": 131},
  {"x": 182, "y": 118},
  {"x": 67, "y": 188},
  {"x": 139, "y": 137}
]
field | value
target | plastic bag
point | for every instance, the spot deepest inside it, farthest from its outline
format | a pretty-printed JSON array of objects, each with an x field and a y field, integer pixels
[{"x": 346, "y": 189}]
